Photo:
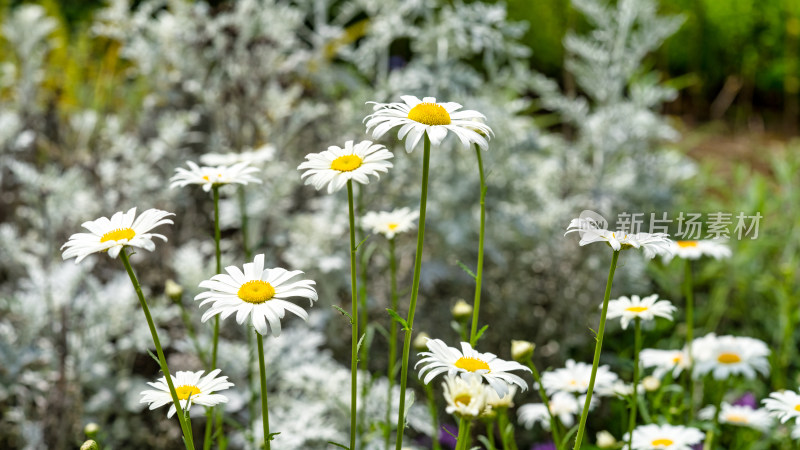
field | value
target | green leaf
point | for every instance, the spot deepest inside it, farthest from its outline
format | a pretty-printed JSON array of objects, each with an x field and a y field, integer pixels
[
  {"x": 155, "y": 358},
  {"x": 397, "y": 317},
  {"x": 360, "y": 341},
  {"x": 338, "y": 445},
  {"x": 344, "y": 313},
  {"x": 359, "y": 244},
  {"x": 466, "y": 269},
  {"x": 478, "y": 335},
  {"x": 271, "y": 436}
]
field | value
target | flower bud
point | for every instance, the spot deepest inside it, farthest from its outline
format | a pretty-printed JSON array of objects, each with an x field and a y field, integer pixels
[
  {"x": 90, "y": 445},
  {"x": 173, "y": 290},
  {"x": 91, "y": 429},
  {"x": 462, "y": 310},
  {"x": 651, "y": 383},
  {"x": 522, "y": 350},
  {"x": 605, "y": 439},
  {"x": 421, "y": 341}
]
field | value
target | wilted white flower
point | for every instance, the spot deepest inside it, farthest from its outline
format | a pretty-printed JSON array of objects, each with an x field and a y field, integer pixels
[{"x": 190, "y": 388}]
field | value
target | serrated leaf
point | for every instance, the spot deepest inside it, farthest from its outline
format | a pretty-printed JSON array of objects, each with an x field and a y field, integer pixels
[
  {"x": 478, "y": 335},
  {"x": 397, "y": 317},
  {"x": 344, "y": 313},
  {"x": 466, "y": 269}
]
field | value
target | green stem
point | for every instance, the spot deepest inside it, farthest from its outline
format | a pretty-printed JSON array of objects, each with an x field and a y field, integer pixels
[
  {"x": 245, "y": 223},
  {"x": 507, "y": 438},
  {"x": 711, "y": 434},
  {"x": 463, "y": 434},
  {"x": 423, "y": 199},
  {"x": 354, "y": 327},
  {"x": 392, "y": 340},
  {"x": 264, "y": 403},
  {"x": 542, "y": 393},
  {"x": 637, "y": 346},
  {"x": 251, "y": 402},
  {"x": 434, "y": 418},
  {"x": 689, "y": 294},
  {"x": 362, "y": 298},
  {"x": 210, "y": 412},
  {"x": 476, "y": 306},
  {"x": 187, "y": 434},
  {"x": 598, "y": 347},
  {"x": 490, "y": 434}
]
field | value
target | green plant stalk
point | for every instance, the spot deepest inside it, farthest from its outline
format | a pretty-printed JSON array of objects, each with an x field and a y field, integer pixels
[
  {"x": 392, "y": 340},
  {"x": 251, "y": 402},
  {"x": 476, "y": 304},
  {"x": 688, "y": 291},
  {"x": 264, "y": 403},
  {"x": 354, "y": 319},
  {"x": 245, "y": 223},
  {"x": 637, "y": 346},
  {"x": 490, "y": 434},
  {"x": 423, "y": 200},
  {"x": 506, "y": 438},
  {"x": 598, "y": 347},
  {"x": 711, "y": 434},
  {"x": 362, "y": 298},
  {"x": 463, "y": 434},
  {"x": 187, "y": 433},
  {"x": 553, "y": 422},
  {"x": 434, "y": 418},
  {"x": 210, "y": 412}
]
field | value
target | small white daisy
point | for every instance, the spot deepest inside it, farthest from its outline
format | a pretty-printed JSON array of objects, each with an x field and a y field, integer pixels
[
  {"x": 464, "y": 396},
  {"x": 646, "y": 308},
  {"x": 590, "y": 231},
  {"x": 563, "y": 406},
  {"x": 496, "y": 401},
  {"x": 575, "y": 378},
  {"x": 664, "y": 361},
  {"x": 209, "y": 177},
  {"x": 784, "y": 405},
  {"x": 336, "y": 165},
  {"x": 257, "y": 292},
  {"x": 444, "y": 359},
  {"x": 415, "y": 117},
  {"x": 260, "y": 155},
  {"x": 390, "y": 223},
  {"x": 664, "y": 437},
  {"x": 741, "y": 416},
  {"x": 111, "y": 235},
  {"x": 723, "y": 356},
  {"x": 696, "y": 249},
  {"x": 191, "y": 388}
]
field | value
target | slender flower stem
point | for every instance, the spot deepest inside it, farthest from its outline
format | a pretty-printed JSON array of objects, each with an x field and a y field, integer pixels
[
  {"x": 210, "y": 412},
  {"x": 711, "y": 434},
  {"x": 688, "y": 290},
  {"x": 637, "y": 347},
  {"x": 264, "y": 404},
  {"x": 490, "y": 434},
  {"x": 362, "y": 298},
  {"x": 251, "y": 403},
  {"x": 476, "y": 305},
  {"x": 506, "y": 437},
  {"x": 423, "y": 200},
  {"x": 434, "y": 418},
  {"x": 245, "y": 223},
  {"x": 354, "y": 319},
  {"x": 598, "y": 347},
  {"x": 553, "y": 423},
  {"x": 187, "y": 433},
  {"x": 463, "y": 434},
  {"x": 392, "y": 340}
]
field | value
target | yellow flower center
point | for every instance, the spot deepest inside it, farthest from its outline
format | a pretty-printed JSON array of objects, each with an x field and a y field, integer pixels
[
  {"x": 729, "y": 358},
  {"x": 797, "y": 407},
  {"x": 686, "y": 244},
  {"x": 256, "y": 291},
  {"x": 429, "y": 114},
  {"x": 392, "y": 226},
  {"x": 677, "y": 359},
  {"x": 118, "y": 234},
  {"x": 471, "y": 364},
  {"x": 636, "y": 309},
  {"x": 346, "y": 163},
  {"x": 462, "y": 399},
  {"x": 205, "y": 177},
  {"x": 737, "y": 418},
  {"x": 185, "y": 391},
  {"x": 662, "y": 442}
]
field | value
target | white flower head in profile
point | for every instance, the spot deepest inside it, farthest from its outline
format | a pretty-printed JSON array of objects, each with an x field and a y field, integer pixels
[
  {"x": 737, "y": 415},
  {"x": 591, "y": 227},
  {"x": 666, "y": 437},
  {"x": 208, "y": 177},
  {"x": 784, "y": 405},
  {"x": 575, "y": 376},
  {"x": 716, "y": 249},
  {"x": 725, "y": 356},
  {"x": 390, "y": 223},
  {"x": 191, "y": 388},
  {"x": 336, "y": 166},
  {"x": 633, "y": 307},
  {"x": 563, "y": 405}
]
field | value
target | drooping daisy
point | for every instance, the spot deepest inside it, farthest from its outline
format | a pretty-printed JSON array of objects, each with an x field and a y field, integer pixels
[
  {"x": 191, "y": 387},
  {"x": 257, "y": 292},
  {"x": 336, "y": 165},
  {"x": 208, "y": 177},
  {"x": 724, "y": 356},
  {"x": 664, "y": 361},
  {"x": 111, "y": 235},
  {"x": 741, "y": 416},
  {"x": 390, "y": 223},
  {"x": 590, "y": 231},
  {"x": 634, "y": 307},
  {"x": 444, "y": 359},
  {"x": 575, "y": 378},
  {"x": 666, "y": 437},
  {"x": 696, "y": 249},
  {"x": 785, "y": 405},
  {"x": 415, "y": 117},
  {"x": 464, "y": 396},
  {"x": 564, "y": 406}
]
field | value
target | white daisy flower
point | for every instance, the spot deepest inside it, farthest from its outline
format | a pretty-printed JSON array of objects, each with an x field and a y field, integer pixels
[
  {"x": 415, "y": 117},
  {"x": 496, "y": 401},
  {"x": 191, "y": 387},
  {"x": 122, "y": 229},
  {"x": 444, "y": 359},
  {"x": 784, "y": 405},
  {"x": 260, "y": 155},
  {"x": 575, "y": 378},
  {"x": 666, "y": 437},
  {"x": 664, "y": 361},
  {"x": 257, "y": 292},
  {"x": 590, "y": 231},
  {"x": 390, "y": 223},
  {"x": 724, "y": 356},
  {"x": 696, "y": 249},
  {"x": 209, "y": 177},
  {"x": 563, "y": 406},
  {"x": 634, "y": 307},
  {"x": 741, "y": 416},
  {"x": 336, "y": 166},
  {"x": 464, "y": 396}
]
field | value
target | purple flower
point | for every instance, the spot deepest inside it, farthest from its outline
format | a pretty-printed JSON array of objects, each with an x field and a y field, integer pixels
[
  {"x": 544, "y": 446},
  {"x": 448, "y": 439},
  {"x": 747, "y": 399}
]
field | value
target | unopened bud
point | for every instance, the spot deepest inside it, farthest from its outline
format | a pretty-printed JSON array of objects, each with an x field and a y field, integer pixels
[
  {"x": 605, "y": 439},
  {"x": 421, "y": 341},
  {"x": 462, "y": 310},
  {"x": 173, "y": 290},
  {"x": 522, "y": 350},
  {"x": 90, "y": 445},
  {"x": 91, "y": 429},
  {"x": 651, "y": 383}
]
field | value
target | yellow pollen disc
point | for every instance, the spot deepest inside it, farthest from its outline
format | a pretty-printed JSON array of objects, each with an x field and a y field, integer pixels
[
  {"x": 662, "y": 441},
  {"x": 472, "y": 364},
  {"x": 429, "y": 114},
  {"x": 256, "y": 291},
  {"x": 185, "y": 391},
  {"x": 737, "y": 418},
  {"x": 346, "y": 163},
  {"x": 462, "y": 399},
  {"x": 392, "y": 226},
  {"x": 797, "y": 407},
  {"x": 205, "y": 177},
  {"x": 686, "y": 244},
  {"x": 636, "y": 309},
  {"x": 729, "y": 358},
  {"x": 118, "y": 234},
  {"x": 677, "y": 359}
]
